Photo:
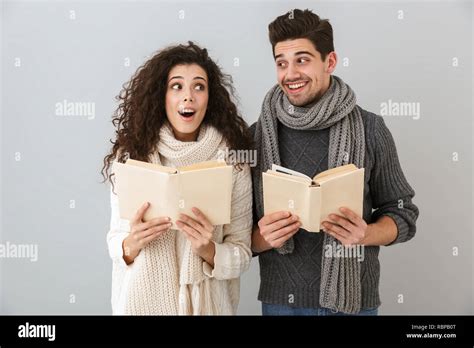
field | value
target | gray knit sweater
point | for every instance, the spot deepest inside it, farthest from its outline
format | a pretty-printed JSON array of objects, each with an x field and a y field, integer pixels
[{"x": 296, "y": 276}]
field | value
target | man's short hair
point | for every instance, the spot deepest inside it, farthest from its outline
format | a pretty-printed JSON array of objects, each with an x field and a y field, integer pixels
[{"x": 298, "y": 24}]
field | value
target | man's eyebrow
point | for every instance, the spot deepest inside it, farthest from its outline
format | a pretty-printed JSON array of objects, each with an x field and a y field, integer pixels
[
  {"x": 296, "y": 54},
  {"x": 304, "y": 52}
]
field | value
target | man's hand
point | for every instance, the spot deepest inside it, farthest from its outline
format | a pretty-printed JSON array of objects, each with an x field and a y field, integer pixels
[
  {"x": 352, "y": 229},
  {"x": 274, "y": 230}
]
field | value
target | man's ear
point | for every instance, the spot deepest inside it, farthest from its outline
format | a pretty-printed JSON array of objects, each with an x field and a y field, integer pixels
[{"x": 331, "y": 62}]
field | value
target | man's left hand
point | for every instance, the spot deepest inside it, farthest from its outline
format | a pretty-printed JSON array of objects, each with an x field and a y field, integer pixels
[{"x": 349, "y": 228}]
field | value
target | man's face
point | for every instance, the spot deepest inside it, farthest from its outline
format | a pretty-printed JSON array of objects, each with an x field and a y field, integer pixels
[{"x": 301, "y": 73}]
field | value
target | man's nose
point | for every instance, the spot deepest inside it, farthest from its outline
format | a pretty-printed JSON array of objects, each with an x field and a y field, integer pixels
[{"x": 292, "y": 73}]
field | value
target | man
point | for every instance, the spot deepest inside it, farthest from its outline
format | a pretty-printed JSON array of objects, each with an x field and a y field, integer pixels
[{"x": 310, "y": 122}]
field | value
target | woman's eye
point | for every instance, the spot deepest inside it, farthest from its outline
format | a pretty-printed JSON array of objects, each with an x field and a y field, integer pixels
[
  {"x": 176, "y": 86},
  {"x": 199, "y": 87}
]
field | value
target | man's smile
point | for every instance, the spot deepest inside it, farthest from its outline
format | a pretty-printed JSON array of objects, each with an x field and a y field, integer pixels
[{"x": 295, "y": 87}]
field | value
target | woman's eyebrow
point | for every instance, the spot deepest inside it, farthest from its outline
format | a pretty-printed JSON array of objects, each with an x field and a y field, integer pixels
[
  {"x": 180, "y": 77},
  {"x": 176, "y": 77}
]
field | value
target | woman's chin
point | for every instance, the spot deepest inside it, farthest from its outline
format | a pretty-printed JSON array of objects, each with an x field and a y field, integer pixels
[{"x": 186, "y": 132}]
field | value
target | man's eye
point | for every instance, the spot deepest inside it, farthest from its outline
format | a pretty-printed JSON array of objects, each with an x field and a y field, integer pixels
[
  {"x": 281, "y": 64},
  {"x": 176, "y": 86},
  {"x": 303, "y": 60}
]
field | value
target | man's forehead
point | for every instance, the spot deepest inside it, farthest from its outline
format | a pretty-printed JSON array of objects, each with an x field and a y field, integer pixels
[{"x": 290, "y": 47}]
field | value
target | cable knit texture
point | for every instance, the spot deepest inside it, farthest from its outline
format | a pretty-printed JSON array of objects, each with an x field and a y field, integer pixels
[
  {"x": 336, "y": 109},
  {"x": 294, "y": 278},
  {"x": 167, "y": 277}
]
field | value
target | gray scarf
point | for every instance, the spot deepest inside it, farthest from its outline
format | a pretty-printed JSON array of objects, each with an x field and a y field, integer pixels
[{"x": 340, "y": 277}]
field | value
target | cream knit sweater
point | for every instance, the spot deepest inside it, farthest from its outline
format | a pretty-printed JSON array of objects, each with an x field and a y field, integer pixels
[{"x": 167, "y": 278}]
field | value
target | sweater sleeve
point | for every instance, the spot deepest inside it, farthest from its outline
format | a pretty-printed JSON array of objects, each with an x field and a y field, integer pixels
[
  {"x": 255, "y": 216},
  {"x": 233, "y": 255},
  {"x": 119, "y": 229},
  {"x": 391, "y": 194}
]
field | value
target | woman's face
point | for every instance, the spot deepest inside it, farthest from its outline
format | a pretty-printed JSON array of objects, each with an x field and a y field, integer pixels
[{"x": 187, "y": 95}]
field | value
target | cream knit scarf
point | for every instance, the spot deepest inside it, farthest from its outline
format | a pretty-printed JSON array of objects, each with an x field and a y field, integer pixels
[
  {"x": 159, "y": 284},
  {"x": 340, "y": 278}
]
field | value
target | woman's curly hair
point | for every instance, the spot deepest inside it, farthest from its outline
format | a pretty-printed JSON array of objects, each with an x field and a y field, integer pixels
[{"x": 141, "y": 111}]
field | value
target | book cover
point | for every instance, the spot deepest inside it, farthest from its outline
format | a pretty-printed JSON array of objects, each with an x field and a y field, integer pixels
[
  {"x": 172, "y": 191},
  {"x": 313, "y": 199}
]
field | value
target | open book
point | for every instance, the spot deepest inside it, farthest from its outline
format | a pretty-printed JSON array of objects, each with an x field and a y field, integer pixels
[
  {"x": 172, "y": 191},
  {"x": 313, "y": 199}
]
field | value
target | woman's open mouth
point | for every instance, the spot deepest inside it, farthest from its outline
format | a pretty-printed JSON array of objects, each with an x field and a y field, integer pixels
[
  {"x": 187, "y": 114},
  {"x": 295, "y": 87}
]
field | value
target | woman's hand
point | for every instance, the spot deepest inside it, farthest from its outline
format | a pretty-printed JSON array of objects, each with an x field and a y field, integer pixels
[
  {"x": 199, "y": 232},
  {"x": 142, "y": 233}
]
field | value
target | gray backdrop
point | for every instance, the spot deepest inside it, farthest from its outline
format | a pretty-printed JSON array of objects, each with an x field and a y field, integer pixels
[{"x": 56, "y": 52}]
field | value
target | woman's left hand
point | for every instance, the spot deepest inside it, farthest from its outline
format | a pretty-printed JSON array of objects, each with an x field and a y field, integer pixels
[{"x": 199, "y": 232}]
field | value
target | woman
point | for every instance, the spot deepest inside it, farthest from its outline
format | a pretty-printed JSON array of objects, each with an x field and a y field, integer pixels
[{"x": 176, "y": 111}]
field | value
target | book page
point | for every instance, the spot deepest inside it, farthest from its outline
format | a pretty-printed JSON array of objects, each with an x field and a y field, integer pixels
[
  {"x": 334, "y": 172},
  {"x": 152, "y": 166},
  {"x": 282, "y": 194},
  {"x": 203, "y": 165},
  {"x": 136, "y": 185},
  {"x": 346, "y": 190},
  {"x": 209, "y": 190},
  {"x": 289, "y": 177},
  {"x": 280, "y": 169}
]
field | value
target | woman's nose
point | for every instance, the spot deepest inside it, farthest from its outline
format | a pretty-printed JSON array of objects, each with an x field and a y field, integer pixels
[{"x": 188, "y": 95}]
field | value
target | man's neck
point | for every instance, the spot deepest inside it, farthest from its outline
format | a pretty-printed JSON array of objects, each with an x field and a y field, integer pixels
[{"x": 319, "y": 95}]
